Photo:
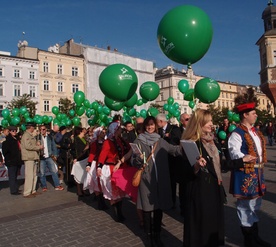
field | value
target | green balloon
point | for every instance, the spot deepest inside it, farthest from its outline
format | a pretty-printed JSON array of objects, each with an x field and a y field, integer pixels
[
  {"x": 236, "y": 117},
  {"x": 80, "y": 111},
  {"x": 112, "y": 104},
  {"x": 45, "y": 119},
  {"x": 149, "y": 90},
  {"x": 132, "y": 101},
  {"x": 222, "y": 135},
  {"x": 72, "y": 113},
  {"x": 170, "y": 100},
  {"x": 153, "y": 112},
  {"x": 76, "y": 121},
  {"x": 15, "y": 112},
  {"x": 207, "y": 90},
  {"x": 15, "y": 121},
  {"x": 4, "y": 122},
  {"x": 106, "y": 110},
  {"x": 5, "y": 113},
  {"x": 192, "y": 104},
  {"x": 232, "y": 127},
  {"x": 185, "y": 34},
  {"x": 118, "y": 82},
  {"x": 143, "y": 113},
  {"x": 23, "y": 127},
  {"x": 183, "y": 86},
  {"x": 55, "y": 110},
  {"x": 140, "y": 102},
  {"x": 23, "y": 110},
  {"x": 26, "y": 115},
  {"x": 165, "y": 107},
  {"x": 132, "y": 112},
  {"x": 189, "y": 95},
  {"x": 86, "y": 103},
  {"x": 79, "y": 97}
]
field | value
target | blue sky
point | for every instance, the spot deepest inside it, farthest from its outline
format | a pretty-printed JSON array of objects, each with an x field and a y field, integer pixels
[{"x": 131, "y": 27}]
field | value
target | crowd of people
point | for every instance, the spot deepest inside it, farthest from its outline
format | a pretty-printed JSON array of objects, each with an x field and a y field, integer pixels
[{"x": 102, "y": 161}]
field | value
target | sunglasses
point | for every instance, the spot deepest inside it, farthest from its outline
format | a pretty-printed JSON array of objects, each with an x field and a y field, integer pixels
[
  {"x": 12, "y": 130},
  {"x": 187, "y": 119},
  {"x": 43, "y": 129}
]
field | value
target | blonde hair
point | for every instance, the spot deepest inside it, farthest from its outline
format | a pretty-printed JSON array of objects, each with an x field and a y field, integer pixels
[{"x": 194, "y": 128}]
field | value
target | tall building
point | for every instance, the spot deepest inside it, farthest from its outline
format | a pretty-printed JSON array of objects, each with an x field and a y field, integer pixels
[{"x": 267, "y": 50}]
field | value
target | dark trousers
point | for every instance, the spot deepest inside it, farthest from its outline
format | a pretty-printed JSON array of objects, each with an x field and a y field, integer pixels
[{"x": 13, "y": 172}]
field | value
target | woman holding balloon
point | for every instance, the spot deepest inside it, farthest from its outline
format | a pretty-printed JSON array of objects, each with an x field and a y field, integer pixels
[{"x": 205, "y": 196}]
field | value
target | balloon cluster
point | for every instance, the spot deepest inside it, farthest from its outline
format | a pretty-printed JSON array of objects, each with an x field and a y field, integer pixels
[{"x": 19, "y": 117}]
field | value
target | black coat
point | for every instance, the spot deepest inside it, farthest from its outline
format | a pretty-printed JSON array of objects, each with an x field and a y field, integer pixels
[
  {"x": 11, "y": 151},
  {"x": 203, "y": 213}
]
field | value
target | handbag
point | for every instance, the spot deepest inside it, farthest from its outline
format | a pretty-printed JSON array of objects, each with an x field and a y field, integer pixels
[{"x": 138, "y": 174}]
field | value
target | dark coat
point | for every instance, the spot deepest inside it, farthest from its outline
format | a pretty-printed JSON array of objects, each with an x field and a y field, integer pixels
[
  {"x": 78, "y": 151},
  {"x": 203, "y": 214},
  {"x": 11, "y": 151}
]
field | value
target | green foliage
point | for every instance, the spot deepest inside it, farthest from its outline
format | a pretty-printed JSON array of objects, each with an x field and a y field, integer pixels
[
  {"x": 24, "y": 100},
  {"x": 218, "y": 114}
]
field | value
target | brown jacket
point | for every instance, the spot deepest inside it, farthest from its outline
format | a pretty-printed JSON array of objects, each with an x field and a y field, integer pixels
[{"x": 29, "y": 148}]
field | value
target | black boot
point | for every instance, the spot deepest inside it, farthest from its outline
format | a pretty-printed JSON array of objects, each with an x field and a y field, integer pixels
[
  {"x": 260, "y": 241},
  {"x": 249, "y": 240},
  {"x": 101, "y": 202},
  {"x": 117, "y": 209},
  {"x": 157, "y": 221},
  {"x": 148, "y": 228}
]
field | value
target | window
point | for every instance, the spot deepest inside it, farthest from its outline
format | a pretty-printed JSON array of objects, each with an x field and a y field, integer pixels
[
  {"x": 16, "y": 73},
  {"x": 226, "y": 95},
  {"x": 32, "y": 91},
  {"x": 222, "y": 95},
  {"x": 161, "y": 96},
  {"x": 1, "y": 72},
  {"x": 161, "y": 84},
  {"x": 46, "y": 85},
  {"x": 263, "y": 101},
  {"x": 59, "y": 69},
  {"x": 45, "y": 67},
  {"x": 75, "y": 88},
  {"x": 16, "y": 90},
  {"x": 1, "y": 90},
  {"x": 75, "y": 71},
  {"x": 32, "y": 75},
  {"x": 177, "y": 95},
  {"x": 60, "y": 87},
  {"x": 46, "y": 105}
]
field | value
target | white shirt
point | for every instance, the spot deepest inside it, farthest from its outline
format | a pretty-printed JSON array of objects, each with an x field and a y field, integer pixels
[{"x": 46, "y": 151}]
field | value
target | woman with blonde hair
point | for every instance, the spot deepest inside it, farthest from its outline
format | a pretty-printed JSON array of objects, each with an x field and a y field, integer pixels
[{"x": 205, "y": 196}]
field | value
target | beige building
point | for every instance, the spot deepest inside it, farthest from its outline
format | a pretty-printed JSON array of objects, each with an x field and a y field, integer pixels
[
  {"x": 61, "y": 76},
  {"x": 168, "y": 78}
]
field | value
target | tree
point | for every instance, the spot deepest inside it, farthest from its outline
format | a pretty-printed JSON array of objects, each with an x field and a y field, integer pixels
[
  {"x": 24, "y": 100},
  {"x": 157, "y": 106},
  {"x": 218, "y": 114},
  {"x": 65, "y": 105}
]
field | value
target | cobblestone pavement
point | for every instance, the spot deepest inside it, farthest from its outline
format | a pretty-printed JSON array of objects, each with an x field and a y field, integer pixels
[{"x": 57, "y": 218}]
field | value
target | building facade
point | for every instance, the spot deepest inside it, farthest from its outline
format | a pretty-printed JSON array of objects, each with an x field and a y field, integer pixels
[{"x": 18, "y": 76}]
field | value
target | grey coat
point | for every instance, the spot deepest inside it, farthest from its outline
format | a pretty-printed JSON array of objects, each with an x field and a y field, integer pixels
[{"x": 154, "y": 191}]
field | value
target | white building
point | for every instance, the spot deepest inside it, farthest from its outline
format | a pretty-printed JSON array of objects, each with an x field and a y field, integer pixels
[{"x": 18, "y": 76}]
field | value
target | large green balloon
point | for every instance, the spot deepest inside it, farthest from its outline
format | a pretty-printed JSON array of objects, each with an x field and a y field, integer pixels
[
  {"x": 79, "y": 97},
  {"x": 207, "y": 90},
  {"x": 185, "y": 34},
  {"x": 112, "y": 104},
  {"x": 149, "y": 90},
  {"x": 132, "y": 101},
  {"x": 118, "y": 82},
  {"x": 183, "y": 86},
  {"x": 153, "y": 112}
]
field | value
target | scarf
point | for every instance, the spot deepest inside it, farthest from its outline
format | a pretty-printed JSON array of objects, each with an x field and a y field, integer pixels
[
  {"x": 212, "y": 150},
  {"x": 148, "y": 139}
]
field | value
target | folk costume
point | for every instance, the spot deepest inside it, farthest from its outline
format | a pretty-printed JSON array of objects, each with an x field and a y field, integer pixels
[
  {"x": 247, "y": 183},
  {"x": 112, "y": 151}
]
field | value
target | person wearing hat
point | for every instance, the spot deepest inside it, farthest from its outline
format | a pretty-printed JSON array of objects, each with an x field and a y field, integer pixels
[
  {"x": 30, "y": 155},
  {"x": 247, "y": 183},
  {"x": 12, "y": 155}
]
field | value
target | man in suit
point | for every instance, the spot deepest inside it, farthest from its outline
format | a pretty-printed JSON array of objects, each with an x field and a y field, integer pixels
[{"x": 172, "y": 134}]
